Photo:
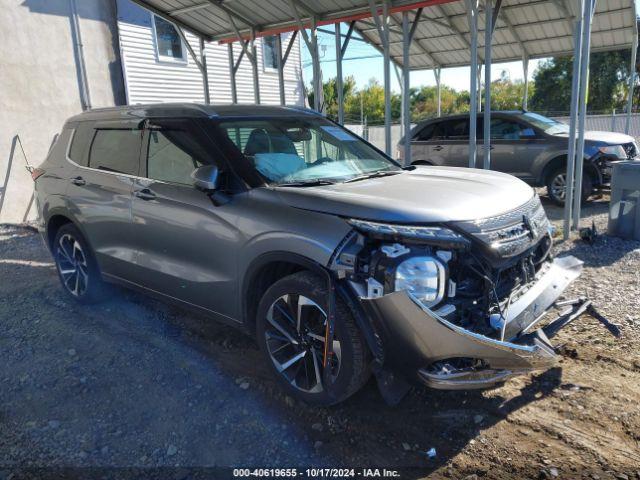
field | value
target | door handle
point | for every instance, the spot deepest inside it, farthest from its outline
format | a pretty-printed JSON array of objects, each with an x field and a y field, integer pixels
[
  {"x": 437, "y": 148},
  {"x": 145, "y": 194},
  {"x": 78, "y": 181}
]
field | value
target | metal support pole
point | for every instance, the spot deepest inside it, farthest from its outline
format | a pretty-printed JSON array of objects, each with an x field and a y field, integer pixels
[
  {"x": 525, "y": 72},
  {"x": 406, "y": 111},
  {"x": 205, "y": 72},
  {"x": 584, "y": 85},
  {"x": 472, "y": 15},
  {"x": 632, "y": 81},
  {"x": 317, "y": 76},
  {"x": 437, "y": 72},
  {"x": 339, "y": 84},
  {"x": 488, "y": 31},
  {"x": 479, "y": 87},
  {"x": 280, "y": 67},
  {"x": 387, "y": 78},
  {"x": 232, "y": 75},
  {"x": 254, "y": 64},
  {"x": 571, "y": 156},
  {"x": 312, "y": 45}
]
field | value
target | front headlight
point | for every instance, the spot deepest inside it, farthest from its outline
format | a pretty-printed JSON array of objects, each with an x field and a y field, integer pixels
[
  {"x": 433, "y": 235},
  {"x": 614, "y": 151},
  {"x": 424, "y": 277}
]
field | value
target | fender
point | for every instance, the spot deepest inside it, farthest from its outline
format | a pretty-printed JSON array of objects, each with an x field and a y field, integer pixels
[
  {"x": 365, "y": 325},
  {"x": 544, "y": 166}
]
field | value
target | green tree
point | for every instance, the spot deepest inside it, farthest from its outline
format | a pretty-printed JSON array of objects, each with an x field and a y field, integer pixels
[
  {"x": 330, "y": 93},
  {"x": 608, "y": 82},
  {"x": 424, "y": 102},
  {"x": 508, "y": 95},
  {"x": 371, "y": 98}
]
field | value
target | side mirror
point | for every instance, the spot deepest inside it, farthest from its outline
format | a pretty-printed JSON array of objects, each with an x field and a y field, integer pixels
[{"x": 206, "y": 178}]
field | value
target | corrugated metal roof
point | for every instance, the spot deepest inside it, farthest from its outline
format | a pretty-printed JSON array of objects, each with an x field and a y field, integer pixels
[{"x": 537, "y": 28}]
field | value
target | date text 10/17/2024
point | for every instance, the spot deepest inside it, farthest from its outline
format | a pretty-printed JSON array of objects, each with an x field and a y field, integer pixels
[{"x": 315, "y": 473}]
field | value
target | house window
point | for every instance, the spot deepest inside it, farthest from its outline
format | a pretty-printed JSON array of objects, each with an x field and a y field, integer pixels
[
  {"x": 169, "y": 45},
  {"x": 270, "y": 53}
]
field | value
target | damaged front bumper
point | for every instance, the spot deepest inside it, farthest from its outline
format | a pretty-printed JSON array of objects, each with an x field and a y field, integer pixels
[{"x": 418, "y": 339}]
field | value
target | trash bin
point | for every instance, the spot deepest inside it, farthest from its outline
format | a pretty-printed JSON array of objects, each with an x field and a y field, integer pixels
[{"x": 624, "y": 211}]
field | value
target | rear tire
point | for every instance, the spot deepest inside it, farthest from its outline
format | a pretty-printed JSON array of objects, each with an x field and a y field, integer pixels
[
  {"x": 556, "y": 186},
  {"x": 77, "y": 268},
  {"x": 290, "y": 332}
]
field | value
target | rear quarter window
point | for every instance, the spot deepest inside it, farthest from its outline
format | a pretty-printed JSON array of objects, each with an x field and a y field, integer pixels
[
  {"x": 115, "y": 150},
  {"x": 79, "y": 142}
]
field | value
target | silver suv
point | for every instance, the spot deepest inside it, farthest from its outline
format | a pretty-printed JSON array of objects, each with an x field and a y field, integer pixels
[
  {"x": 337, "y": 260},
  {"x": 525, "y": 144}
]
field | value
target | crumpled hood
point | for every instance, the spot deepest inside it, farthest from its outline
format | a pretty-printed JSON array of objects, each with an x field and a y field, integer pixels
[{"x": 424, "y": 195}]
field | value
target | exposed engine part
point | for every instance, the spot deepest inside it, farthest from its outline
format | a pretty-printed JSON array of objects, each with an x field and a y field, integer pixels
[
  {"x": 374, "y": 288},
  {"x": 395, "y": 250}
]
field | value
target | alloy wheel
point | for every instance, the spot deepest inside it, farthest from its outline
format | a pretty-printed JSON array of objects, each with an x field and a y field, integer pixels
[
  {"x": 295, "y": 338},
  {"x": 559, "y": 186},
  {"x": 72, "y": 265}
]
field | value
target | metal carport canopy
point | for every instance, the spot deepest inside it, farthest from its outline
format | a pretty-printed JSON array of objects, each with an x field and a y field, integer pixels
[{"x": 532, "y": 28}]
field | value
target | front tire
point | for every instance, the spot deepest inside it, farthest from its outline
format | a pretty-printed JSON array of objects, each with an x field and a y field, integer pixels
[
  {"x": 557, "y": 186},
  {"x": 290, "y": 328},
  {"x": 77, "y": 268}
]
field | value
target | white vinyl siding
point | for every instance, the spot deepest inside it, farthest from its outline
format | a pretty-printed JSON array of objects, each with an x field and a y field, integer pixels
[{"x": 148, "y": 79}]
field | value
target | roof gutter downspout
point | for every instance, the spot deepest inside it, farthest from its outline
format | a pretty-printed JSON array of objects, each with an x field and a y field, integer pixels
[{"x": 78, "y": 50}]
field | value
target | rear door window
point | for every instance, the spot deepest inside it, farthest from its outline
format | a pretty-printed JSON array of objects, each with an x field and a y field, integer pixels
[{"x": 116, "y": 150}]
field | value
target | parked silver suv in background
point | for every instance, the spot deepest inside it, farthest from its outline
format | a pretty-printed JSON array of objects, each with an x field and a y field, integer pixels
[
  {"x": 525, "y": 144},
  {"x": 337, "y": 260}
]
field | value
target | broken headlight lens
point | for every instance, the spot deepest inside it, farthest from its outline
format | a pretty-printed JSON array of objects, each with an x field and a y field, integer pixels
[
  {"x": 424, "y": 277},
  {"x": 614, "y": 151},
  {"x": 432, "y": 234}
]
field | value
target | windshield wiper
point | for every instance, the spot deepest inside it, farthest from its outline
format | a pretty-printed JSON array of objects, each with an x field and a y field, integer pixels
[
  {"x": 307, "y": 183},
  {"x": 380, "y": 173}
]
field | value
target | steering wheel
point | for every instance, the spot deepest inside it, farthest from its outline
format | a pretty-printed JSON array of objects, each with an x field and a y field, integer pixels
[{"x": 322, "y": 160}]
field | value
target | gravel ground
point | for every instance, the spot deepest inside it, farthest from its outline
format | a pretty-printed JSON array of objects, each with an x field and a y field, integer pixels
[{"x": 137, "y": 383}]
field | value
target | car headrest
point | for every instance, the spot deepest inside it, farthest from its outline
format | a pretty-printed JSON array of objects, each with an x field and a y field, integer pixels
[{"x": 258, "y": 142}]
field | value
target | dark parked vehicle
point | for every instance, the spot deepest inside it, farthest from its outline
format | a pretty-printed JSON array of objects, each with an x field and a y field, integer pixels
[
  {"x": 525, "y": 144},
  {"x": 280, "y": 222}
]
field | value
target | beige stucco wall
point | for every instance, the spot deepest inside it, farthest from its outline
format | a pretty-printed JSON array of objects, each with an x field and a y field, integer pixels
[{"x": 39, "y": 82}]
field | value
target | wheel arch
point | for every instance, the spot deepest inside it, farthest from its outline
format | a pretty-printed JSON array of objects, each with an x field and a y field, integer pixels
[
  {"x": 55, "y": 220},
  {"x": 561, "y": 160},
  {"x": 270, "y": 267},
  {"x": 263, "y": 272}
]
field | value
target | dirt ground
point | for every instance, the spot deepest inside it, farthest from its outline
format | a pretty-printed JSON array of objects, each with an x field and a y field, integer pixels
[{"x": 137, "y": 383}]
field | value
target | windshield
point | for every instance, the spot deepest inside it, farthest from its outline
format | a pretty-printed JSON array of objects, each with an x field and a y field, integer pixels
[
  {"x": 549, "y": 125},
  {"x": 305, "y": 150}
]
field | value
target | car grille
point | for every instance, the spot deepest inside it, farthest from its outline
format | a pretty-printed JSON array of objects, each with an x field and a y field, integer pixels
[
  {"x": 630, "y": 149},
  {"x": 513, "y": 232}
]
